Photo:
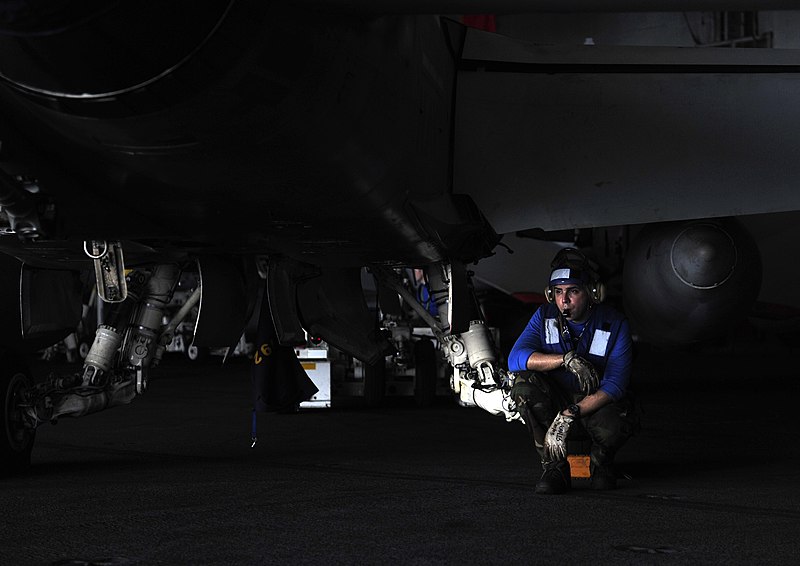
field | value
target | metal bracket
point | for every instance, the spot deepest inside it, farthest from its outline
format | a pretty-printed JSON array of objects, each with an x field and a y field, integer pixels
[
  {"x": 109, "y": 269},
  {"x": 391, "y": 280}
]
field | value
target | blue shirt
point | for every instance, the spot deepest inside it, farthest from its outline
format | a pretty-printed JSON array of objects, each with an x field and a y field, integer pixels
[{"x": 604, "y": 339}]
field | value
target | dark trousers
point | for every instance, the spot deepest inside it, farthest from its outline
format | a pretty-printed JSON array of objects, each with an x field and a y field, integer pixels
[{"x": 539, "y": 399}]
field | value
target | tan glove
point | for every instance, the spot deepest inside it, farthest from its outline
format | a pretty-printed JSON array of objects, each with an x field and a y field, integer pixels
[
  {"x": 555, "y": 440},
  {"x": 583, "y": 370}
]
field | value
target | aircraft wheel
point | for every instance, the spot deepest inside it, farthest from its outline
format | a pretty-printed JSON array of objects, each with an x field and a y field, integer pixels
[
  {"x": 425, "y": 373},
  {"x": 16, "y": 440},
  {"x": 374, "y": 383}
]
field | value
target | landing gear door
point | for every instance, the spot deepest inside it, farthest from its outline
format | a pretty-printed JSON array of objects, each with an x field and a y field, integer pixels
[
  {"x": 50, "y": 301},
  {"x": 224, "y": 302},
  {"x": 283, "y": 276}
]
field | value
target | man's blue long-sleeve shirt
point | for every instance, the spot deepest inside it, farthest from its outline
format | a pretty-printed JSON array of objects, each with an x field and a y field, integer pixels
[{"x": 604, "y": 340}]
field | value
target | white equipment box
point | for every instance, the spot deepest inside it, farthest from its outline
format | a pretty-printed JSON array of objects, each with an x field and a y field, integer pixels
[{"x": 318, "y": 368}]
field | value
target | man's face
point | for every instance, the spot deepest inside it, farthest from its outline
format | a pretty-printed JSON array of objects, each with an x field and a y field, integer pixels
[{"x": 572, "y": 301}]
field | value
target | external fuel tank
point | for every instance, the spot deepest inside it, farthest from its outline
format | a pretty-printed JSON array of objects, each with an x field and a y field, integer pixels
[{"x": 688, "y": 282}]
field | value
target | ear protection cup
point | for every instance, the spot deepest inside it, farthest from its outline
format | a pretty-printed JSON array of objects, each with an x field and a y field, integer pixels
[
  {"x": 598, "y": 291},
  {"x": 574, "y": 258}
]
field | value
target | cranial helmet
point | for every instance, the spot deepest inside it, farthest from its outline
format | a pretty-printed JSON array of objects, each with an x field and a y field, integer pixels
[{"x": 571, "y": 267}]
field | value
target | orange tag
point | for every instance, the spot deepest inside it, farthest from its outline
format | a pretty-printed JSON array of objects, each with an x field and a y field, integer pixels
[{"x": 578, "y": 466}]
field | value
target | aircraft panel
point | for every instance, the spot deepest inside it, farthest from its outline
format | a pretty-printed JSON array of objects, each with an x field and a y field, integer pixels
[{"x": 585, "y": 140}]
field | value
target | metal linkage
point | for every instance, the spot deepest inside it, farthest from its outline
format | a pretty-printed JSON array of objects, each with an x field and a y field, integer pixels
[
  {"x": 476, "y": 378},
  {"x": 116, "y": 367},
  {"x": 142, "y": 339},
  {"x": 168, "y": 332},
  {"x": 109, "y": 269},
  {"x": 393, "y": 281},
  {"x": 60, "y": 396}
]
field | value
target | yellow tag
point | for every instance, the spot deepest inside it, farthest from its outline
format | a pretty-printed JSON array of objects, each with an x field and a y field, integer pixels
[{"x": 309, "y": 365}]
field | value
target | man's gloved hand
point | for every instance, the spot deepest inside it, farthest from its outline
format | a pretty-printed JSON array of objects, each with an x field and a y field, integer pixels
[
  {"x": 583, "y": 370},
  {"x": 555, "y": 440}
]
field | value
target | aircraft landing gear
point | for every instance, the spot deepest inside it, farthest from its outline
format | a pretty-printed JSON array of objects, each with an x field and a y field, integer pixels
[
  {"x": 116, "y": 366},
  {"x": 16, "y": 438}
]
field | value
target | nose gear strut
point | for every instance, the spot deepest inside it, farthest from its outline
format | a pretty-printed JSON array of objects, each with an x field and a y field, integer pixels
[{"x": 476, "y": 378}]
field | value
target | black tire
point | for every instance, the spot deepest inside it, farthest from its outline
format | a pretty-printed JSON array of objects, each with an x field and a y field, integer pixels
[
  {"x": 374, "y": 383},
  {"x": 16, "y": 440},
  {"x": 425, "y": 373}
]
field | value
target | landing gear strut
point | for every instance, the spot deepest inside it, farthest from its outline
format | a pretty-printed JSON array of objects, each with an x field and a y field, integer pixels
[
  {"x": 115, "y": 369},
  {"x": 465, "y": 340}
]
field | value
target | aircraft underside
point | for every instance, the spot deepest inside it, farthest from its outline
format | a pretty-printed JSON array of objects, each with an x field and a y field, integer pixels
[{"x": 277, "y": 152}]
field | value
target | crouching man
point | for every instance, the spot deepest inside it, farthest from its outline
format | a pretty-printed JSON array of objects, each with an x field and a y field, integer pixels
[{"x": 573, "y": 363}]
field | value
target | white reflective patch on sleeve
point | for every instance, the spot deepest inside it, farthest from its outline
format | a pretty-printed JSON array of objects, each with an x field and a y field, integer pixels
[
  {"x": 600, "y": 342},
  {"x": 551, "y": 332}
]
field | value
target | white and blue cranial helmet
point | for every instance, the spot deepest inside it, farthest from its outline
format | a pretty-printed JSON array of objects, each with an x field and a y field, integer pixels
[
  {"x": 571, "y": 267},
  {"x": 569, "y": 276}
]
